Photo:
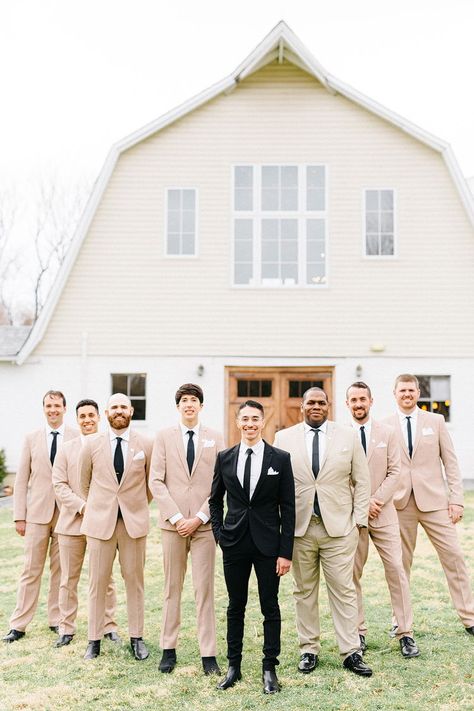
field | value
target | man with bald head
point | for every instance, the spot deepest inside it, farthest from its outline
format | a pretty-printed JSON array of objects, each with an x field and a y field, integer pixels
[{"x": 113, "y": 478}]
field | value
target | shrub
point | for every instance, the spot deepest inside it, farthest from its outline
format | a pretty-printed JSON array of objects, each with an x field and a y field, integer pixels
[{"x": 3, "y": 465}]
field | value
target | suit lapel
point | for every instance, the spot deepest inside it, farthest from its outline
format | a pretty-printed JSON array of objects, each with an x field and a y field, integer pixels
[
  {"x": 107, "y": 452},
  {"x": 198, "y": 449},
  {"x": 43, "y": 444},
  {"x": 267, "y": 458},
  {"x": 374, "y": 438},
  {"x": 301, "y": 443},
  {"x": 419, "y": 429},
  {"x": 329, "y": 444},
  {"x": 178, "y": 440},
  {"x": 397, "y": 423}
]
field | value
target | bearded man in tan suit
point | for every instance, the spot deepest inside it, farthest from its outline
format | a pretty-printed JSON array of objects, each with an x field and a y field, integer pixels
[
  {"x": 35, "y": 515},
  {"x": 426, "y": 496},
  {"x": 113, "y": 479},
  {"x": 181, "y": 475},
  {"x": 380, "y": 444},
  {"x": 332, "y": 486},
  {"x": 72, "y": 544}
]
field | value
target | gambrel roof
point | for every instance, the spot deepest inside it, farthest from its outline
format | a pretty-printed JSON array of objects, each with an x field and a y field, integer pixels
[{"x": 280, "y": 44}]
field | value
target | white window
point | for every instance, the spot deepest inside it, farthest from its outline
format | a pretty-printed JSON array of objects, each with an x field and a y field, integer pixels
[
  {"x": 181, "y": 222},
  {"x": 379, "y": 223},
  {"x": 134, "y": 386},
  {"x": 279, "y": 225},
  {"x": 435, "y": 394}
]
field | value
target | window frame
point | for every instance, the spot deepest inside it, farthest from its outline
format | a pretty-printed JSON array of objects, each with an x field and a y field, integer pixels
[
  {"x": 382, "y": 257},
  {"x": 142, "y": 398},
  {"x": 422, "y": 400},
  {"x": 195, "y": 255}
]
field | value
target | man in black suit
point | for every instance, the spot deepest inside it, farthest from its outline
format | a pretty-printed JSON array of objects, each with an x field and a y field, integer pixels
[{"x": 258, "y": 530}]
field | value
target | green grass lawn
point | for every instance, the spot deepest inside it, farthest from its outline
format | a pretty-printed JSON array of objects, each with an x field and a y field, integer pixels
[{"x": 35, "y": 675}]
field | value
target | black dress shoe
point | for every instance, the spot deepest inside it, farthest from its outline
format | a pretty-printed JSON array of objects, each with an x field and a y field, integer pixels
[
  {"x": 13, "y": 636},
  {"x": 210, "y": 666},
  {"x": 113, "y": 637},
  {"x": 93, "y": 649},
  {"x": 355, "y": 664},
  {"x": 168, "y": 661},
  {"x": 63, "y": 639},
  {"x": 363, "y": 645},
  {"x": 139, "y": 648},
  {"x": 270, "y": 682},
  {"x": 233, "y": 675},
  {"x": 54, "y": 628},
  {"x": 308, "y": 662},
  {"x": 469, "y": 630},
  {"x": 408, "y": 647}
]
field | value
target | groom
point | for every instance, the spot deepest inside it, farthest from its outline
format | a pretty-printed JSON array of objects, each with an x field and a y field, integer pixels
[{"x": 258, "y": 530}]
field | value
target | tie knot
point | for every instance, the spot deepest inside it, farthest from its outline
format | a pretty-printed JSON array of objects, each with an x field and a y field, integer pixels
[
  {"x": 54, "y": 433},
  {"x": 315, "y": 430},
  {"x": 249, "y": 451},
  {"x": 362, "y": 427},
  {"x": 190, "y": 433},
  {"x": 119, "y": 439},
  {"x": 408, "y": 417}
]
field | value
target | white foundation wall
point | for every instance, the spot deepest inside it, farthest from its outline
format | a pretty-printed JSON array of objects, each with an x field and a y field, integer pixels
[{"x": 22, "y": 389}]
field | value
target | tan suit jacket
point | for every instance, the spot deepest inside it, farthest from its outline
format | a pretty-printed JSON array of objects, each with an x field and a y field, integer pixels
[
  {"x": 66, "y": 488},
  {"x": 99, "y": 485},
  {"x": 174, "y": 489},
  {"x": 342, "y": 485},
  {"x": 423, "y": 473},
  {"x": 34, "y": 499},
  {"x": 383, "y": 457}
]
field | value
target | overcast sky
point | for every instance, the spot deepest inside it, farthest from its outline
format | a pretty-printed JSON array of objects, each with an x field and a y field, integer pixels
[{"x": 79, "y": 75}]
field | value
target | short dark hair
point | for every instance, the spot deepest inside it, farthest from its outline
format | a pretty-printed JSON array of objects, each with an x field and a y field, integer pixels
[
  {"x": 189, "y": 389},
  {"x": 407, "y": 378},
  {"x": 318, "y": 390},
  {"x": 55, "y": 393},
  {"x": 251, "y": 403},
  {"x": 84, "y": 403},
  {"x": 359, "y": 384}
]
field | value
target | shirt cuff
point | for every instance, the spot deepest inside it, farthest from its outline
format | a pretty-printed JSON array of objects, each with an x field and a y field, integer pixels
[
  {"x": 202, "y": 516},
  {"x": 175, "y": 518}
]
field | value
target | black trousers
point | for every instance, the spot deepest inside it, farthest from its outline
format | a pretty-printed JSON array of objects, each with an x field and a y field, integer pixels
[{"x": 238, "y": 561}]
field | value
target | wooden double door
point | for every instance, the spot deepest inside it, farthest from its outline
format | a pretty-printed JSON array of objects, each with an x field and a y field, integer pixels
[{"x": 280, "y": 391}]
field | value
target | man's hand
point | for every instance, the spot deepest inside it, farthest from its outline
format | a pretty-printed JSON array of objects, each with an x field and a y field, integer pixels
[
  {"x": 187, "y": 526},
  {"x": 375, "y": 507},
  {"x": 20, "y": 527},
  {"x": 455, "y": 512},
  {"x": 282, "y": 567}
]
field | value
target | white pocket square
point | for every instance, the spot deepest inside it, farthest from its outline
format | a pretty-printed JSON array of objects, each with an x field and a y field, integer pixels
[
  {"x": 381, "y": 444},
  {"x": 427, "y": 430},
  {"x": 208, "y": 443},
  {"x": 139, "y": 455},
  {"x": 272, "y": 472}
]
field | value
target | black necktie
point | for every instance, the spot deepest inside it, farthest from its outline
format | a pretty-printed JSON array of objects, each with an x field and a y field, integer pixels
[
  {"x": 362, "y": 438},
  {"x": 190, "y": 451},
  {"x": 247, "y": 470},
  {"x": 118, "y": 460},
  {"x": 54, "y": 446},
  {"x": 315, "y": 467},
  {"x": 410, "y": 440}
]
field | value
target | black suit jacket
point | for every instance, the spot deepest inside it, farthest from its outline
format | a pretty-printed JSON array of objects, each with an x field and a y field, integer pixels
[{"x": 269, "y": 514}]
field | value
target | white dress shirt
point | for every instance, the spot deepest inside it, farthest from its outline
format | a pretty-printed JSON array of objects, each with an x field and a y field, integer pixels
[
  {"x": 49, "y": 437},
  {"x": 309, "y": 436},
  {"x": 367, "y": 429},
  {"x": 413, "y": 422},
  {"x": 184, "y": 432},
  {"x": 125, "y": 437},
  {"x": 256, "y": 462}
]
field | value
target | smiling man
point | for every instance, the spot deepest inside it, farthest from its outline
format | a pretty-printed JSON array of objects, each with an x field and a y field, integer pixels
[
  {"x": 332, "y": 501},
  {"x": 35, "y": 515},
  {"x": 180, "y": 480},
  {"x": 257, "y": 531}
]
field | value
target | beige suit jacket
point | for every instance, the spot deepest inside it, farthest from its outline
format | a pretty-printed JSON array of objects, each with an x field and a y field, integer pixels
[
  {"x": 174, "y": 489},
  {"x": 342, "y": 485},
  {"x": 104, "y": 495},
  {"x": 383, "y": 457},
  {"x": 66, "y": 488},
  {"x": 34, "y": 499},
  {"x": 433, "y": 471}
]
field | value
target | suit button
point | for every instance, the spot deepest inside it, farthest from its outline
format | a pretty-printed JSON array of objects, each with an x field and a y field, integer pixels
[{"x": 250, "y": 508}]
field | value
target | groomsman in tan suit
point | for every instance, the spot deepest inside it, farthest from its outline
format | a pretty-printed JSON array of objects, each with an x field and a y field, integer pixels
[
  {"x": 113, "y": 479},
  {"x": 72, "y": 544},
  {"x": 332, "y": 486},
  {"x": 182, "y": 468},
  {"x": 380, "y": 444},
  {"x": 35, "y": 515},
  {"x": 427, "y": 497}
]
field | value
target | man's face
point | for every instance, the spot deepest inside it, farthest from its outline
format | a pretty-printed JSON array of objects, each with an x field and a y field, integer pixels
[
  {"x": 189, "y": 408},
  {"x": 315, "y": 408},
  {"x": 406, "y": 394},
  {"x": 119, "y": 412},
  {"x": 359, "y": 403},
  {"x": 250, "y": 422},
  {"x": 88, "y": 419},
  {"x": 54, "y": 410}
]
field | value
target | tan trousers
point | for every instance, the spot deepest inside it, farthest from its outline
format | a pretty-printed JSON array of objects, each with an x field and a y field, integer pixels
[
  {"x": 442, "y": 534},
  {"x": 71, "y": 554},
  {"x": 176, "y": 549},
  {"x": 387, "y": 542},
  {"x": 38, "y": 537},
  {"x": 336, "y": 557},
  {"x": 132, "y": 562}
]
